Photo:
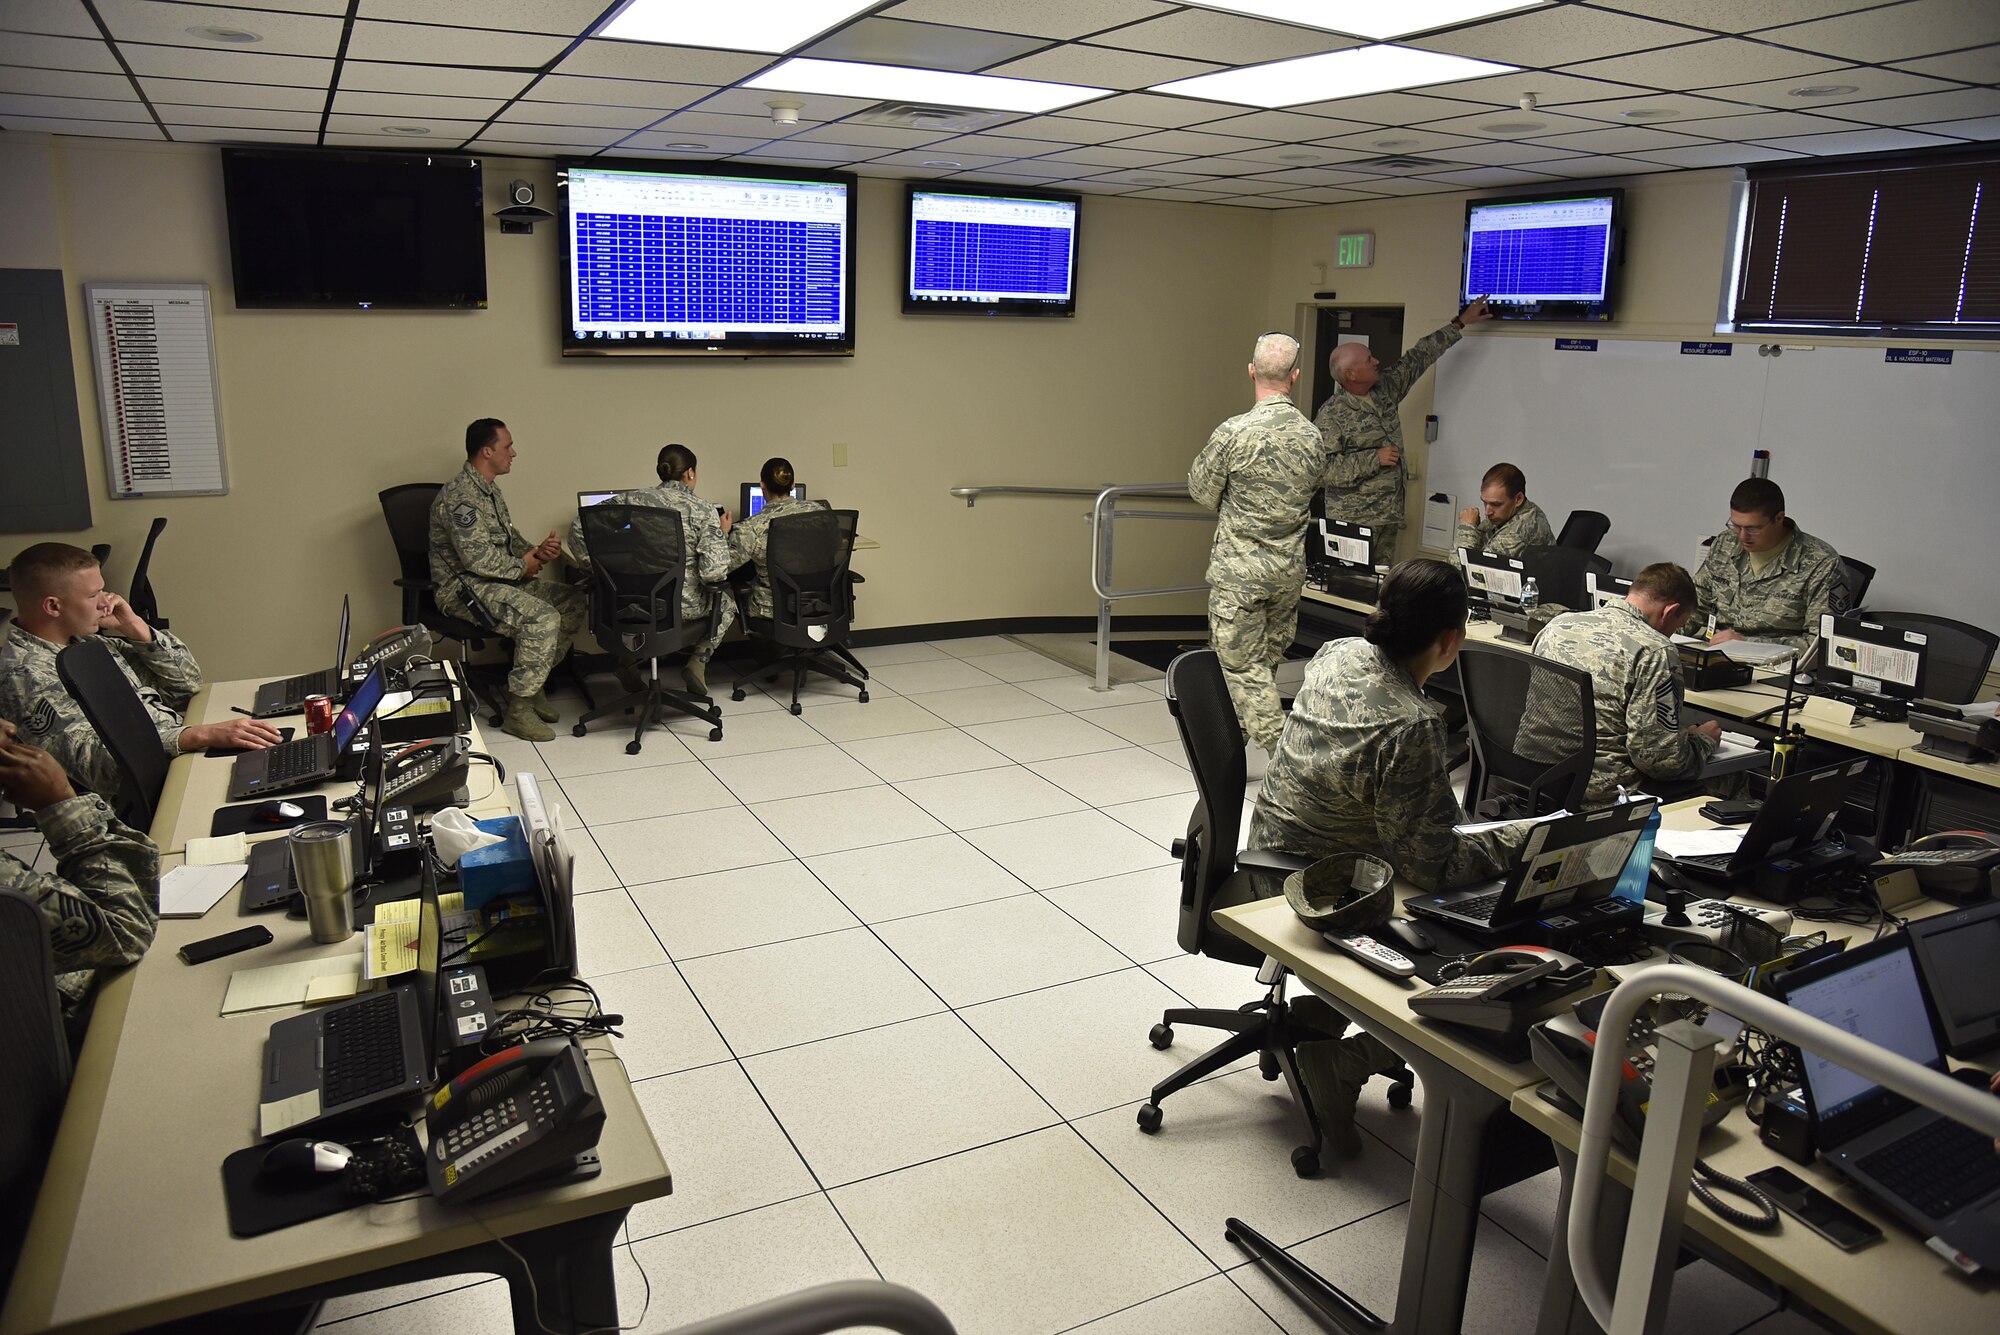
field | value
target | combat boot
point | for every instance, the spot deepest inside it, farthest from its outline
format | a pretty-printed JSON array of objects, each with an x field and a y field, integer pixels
[
  {"x": 521, "y": 721},
  {"x": 629, "y": 677},
  {"x": 1333, "y": 1095},
  {"x": 544, "y": 711},
  {"x": 695, "y": 674}
]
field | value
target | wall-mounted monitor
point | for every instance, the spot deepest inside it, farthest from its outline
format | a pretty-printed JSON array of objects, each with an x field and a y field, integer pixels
[
  {"x": 706, "y": 259},
  {"x": 361, "y": 230},
  {"x": 989, "y": 250},
  {"x": 1544, "y": 257}
]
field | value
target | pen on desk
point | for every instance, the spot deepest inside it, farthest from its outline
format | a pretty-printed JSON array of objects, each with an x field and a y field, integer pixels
[{"x": 239, "y": 709}]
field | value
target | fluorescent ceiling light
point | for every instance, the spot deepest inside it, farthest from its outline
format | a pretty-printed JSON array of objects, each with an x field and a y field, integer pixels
[
  {"x": 988, "y": 92},
  {"x": 1372, "y": 18},
  {"x": 1337, "y": 74},
  {"x": 768, "y": 25}
]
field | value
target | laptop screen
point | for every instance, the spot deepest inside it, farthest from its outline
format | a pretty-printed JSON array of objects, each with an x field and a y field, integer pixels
[
  {"x": 430, "y": 949},
  {"x": 586, "y": 499},
  {"x": 1874, "y": 993},
  {"x": 1570, "y": 856},
  {"x": 1958, "y": 952},
  {"x": 360, "y": 708},
  {"x": 340, "y": 650}
]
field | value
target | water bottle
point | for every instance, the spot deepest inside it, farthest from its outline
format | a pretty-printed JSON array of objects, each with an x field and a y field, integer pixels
[{"x": 1531, "y": 597}]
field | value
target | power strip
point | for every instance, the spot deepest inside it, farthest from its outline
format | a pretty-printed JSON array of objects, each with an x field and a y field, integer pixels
[{"x": 1708, "y": 919}]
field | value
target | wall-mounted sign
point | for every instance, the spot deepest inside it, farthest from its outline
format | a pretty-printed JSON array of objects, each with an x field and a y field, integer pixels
[{"x": 1354, "y": 250}]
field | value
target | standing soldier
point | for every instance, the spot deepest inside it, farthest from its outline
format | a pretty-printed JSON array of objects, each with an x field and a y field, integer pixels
[
  {"x": 485, "y": 572},
  {"x": 1258, "y": 472},
  {"x": 1364, "y": 433},
  {"x": 1765, "y": 578}
]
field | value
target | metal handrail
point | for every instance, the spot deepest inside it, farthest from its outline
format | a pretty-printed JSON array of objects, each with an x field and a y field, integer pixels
[
  {"x": 1682, "y": 1081},
  {"x": 971, "y": 494},
  {"x": 841, "y": 1305}
]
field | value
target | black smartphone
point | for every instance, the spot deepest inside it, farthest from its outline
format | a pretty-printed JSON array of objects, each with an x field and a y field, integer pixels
[
  {"x": 1731, "y": 813},
  {"x": 215, "y": 947},
  {"x": 1815, "y": 1209}
]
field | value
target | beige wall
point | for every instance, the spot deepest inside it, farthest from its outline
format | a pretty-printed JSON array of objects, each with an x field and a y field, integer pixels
[{"x": 321, "y": 410}]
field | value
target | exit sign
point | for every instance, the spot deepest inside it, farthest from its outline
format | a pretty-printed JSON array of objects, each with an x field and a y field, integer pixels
[{"x": 1355, "y": 250}]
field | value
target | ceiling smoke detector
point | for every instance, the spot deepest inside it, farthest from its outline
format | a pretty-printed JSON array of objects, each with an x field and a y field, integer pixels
[
  {"x": 784, "y": 111},
  {"x": 1649, "y": 114},
  {"x": 231, "y": 36},
  {"x": 1822, "y": 90},
  {"x": 1513, "y": 127},
  {"x": 410, "y": 130}
]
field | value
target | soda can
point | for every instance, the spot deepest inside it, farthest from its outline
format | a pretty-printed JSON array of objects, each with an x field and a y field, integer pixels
[{"x": 319, "y": 714}]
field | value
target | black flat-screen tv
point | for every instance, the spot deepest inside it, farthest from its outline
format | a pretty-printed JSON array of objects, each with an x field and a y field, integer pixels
[
  {"x": 706, "y": 259},
  {"x": 989, "y": 250},
  {"x": 321, "y": 228},
  {"x": 1551, "y": 256}
]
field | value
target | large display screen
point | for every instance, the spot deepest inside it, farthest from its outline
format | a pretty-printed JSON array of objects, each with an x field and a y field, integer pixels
[
  {"x": 988, "y": 251},
  {"x": 1543, "y": 258},
  {"x": 706, "y": 260}
]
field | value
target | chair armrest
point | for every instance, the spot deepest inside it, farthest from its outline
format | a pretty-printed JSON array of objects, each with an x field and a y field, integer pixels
[
  {"x": 424, "y": 584},
  {"x": 1271, "y": 859},
  {"x": 853, "y": 578}
]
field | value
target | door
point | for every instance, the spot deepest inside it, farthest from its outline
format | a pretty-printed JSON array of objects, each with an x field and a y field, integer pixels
[{"x": 1380, "y": 327}]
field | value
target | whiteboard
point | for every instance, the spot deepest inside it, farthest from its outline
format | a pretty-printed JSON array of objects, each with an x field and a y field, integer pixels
[
  {"x": 1897, "y": 465},
  {"x": 157, "y": 401}
]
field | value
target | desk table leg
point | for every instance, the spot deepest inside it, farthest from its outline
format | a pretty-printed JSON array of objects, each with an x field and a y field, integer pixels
[{"x": 570, "y": 1266}]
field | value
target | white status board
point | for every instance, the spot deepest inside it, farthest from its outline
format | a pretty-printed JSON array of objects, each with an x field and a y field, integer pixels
[
  {"x": 154, "y": 348},
  {"x": 1894, "y": 461}
]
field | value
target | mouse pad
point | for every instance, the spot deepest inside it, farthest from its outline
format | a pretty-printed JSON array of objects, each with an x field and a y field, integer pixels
[
  {"x": 261, "y": 1204},
  {"x": 242, "y": 817},
  {"x": 223, "y": 752}
]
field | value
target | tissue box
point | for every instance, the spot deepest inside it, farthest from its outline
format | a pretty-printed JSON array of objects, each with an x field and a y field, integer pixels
[{"x": 507, "y": 868}]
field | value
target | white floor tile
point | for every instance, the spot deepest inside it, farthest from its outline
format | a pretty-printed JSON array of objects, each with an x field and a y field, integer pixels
[
  {"x": 1231, "y": 1140},
  {"x": 664, "y": 790},
  {"x": 732, "y": 910},
  {"x": 664, "y": 1029},
  {"x": 924, "y": 755},
  {"x": 798, "y": 991},
  {"x": 1160, "y": 820},
  {"x": 514, "y": 753},
  {"x": 603, "y": 748},
  {"x": 640, "y": 851},
  {"x": 726, "y": 1153},
  {"x": 1108, "y": 778},
  {"x": 1212, "y": 1307},
  {"x": 1062, "y": 850},
  {"x": 833, "y": 822},
  {"x": 1021, "y": 665},
  {"x": 984, "y": 704},
  {"x": 944, "y": 674},
  {"x": 611, "y": 937},
  {"x": 1527, "y": 1209},
  {"x": 880, "y": 655},
  {"x": 1033, "y": 1234},
  {"x": 799, "y": 772},
  {"x": 878, "y": 718},
  {"x": 1045, "y": 737},
  {"x": 1083, "y": 1045},
  {"x": 703, "y": 1272},
  {"x": 988, "y": 797},
  {"x": 1079, "y": 692},
  {"x": 818, "y": 688},
  {"x": 1138, "y": 912},
  {"x": 917, "y": 876},
  {"x": 744, "y": 733},
  {"x": 886, "y": 1098},
  {"x": 998, "y": 948},
  {"x": 474, "y": 1306},
  {"x": 375, "y": 1300},
  {"x": 976, "y": 646},
  {"x": 1173, "y": 751},
  {"x": 592, "y": 872},
  {"x": 1144, "y": 723}
]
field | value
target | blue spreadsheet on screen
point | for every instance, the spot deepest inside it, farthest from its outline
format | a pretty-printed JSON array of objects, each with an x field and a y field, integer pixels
[
  {"x": 1539, "y": 252},
  {"x": 991, "y": 249},
  {"x": 728, "y": 272}
]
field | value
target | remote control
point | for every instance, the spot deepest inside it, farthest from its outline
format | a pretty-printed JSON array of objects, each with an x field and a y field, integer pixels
[{"x": 1372, "y": 953}]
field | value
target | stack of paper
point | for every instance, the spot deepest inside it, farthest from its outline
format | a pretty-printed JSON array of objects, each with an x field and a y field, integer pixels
[
  {"x": 306, "y": 982},
  {"x": 189, "y": 892}
]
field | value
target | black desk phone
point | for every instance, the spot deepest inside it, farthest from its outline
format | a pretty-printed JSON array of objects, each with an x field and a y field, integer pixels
[
  {"x": 427, "y": 774},
  {"x": 1504, "y": 991},
  {"x": 518, "y": 1116},
  {"x": 392, "y": 649},
  {"x": 1960, "y": 865}
]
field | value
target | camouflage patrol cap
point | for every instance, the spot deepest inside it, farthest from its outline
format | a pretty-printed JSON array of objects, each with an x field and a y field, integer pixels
[{"x": 1347, "y": 892}]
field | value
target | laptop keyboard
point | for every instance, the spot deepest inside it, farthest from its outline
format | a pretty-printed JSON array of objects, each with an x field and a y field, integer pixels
[
  {"x": 305, "y": 684},
  {"x": 1480, "y": 907},
  {"x": 1717, "y": 863},
  {"x": 363, "y": 1050},
  {"x": 289, "y": 762},
  {"x": 1939, "y": 1169}
]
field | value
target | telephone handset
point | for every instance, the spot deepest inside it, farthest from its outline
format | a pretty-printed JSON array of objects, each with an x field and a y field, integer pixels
[
  {"x": 427, "y": 774},
  {"x": 392, "y": 649},
  {"x": 517, "y": 1116},
  {"x": 1504, "y": 990}
]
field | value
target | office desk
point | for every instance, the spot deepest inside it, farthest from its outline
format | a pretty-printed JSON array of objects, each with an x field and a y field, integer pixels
[
  {"x": 130, "y": 1227},
  {"x": 1986, "y": 775}
]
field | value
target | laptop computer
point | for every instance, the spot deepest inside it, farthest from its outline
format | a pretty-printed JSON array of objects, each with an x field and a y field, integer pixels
[
  {"x": 1569, "y": 860},
  {"x": 1797, "y": 813},
  {"x": 288, "y": 696},
  {"x": 1939, "y": 1176},
  {"x": 1956, "y": 952},
  {"x": 306, "y": 761},
  {"x": 555, "y": 870}
]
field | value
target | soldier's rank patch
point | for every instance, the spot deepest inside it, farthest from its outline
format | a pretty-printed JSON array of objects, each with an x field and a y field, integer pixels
[
  {"x": 464, "y": 515},
  {"x": 1663, "y": 704},
  {"x": 42, "y": 719}
]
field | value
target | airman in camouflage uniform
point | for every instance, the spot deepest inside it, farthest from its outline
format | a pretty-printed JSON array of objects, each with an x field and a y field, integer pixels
[
  {"x": 1364, "y": 430},
  {"x": 1636, "y": 687},
  {"x": 1258, "y": 472},
  {"x": 485, "y": 573},
  {"x": 702, "y": 537},
  {"x": 102, "y": 901},
  {"x": 1799, "y": 581},
  {"x": 1511, "y": 523},
  {"x": 750, "y": 542}
]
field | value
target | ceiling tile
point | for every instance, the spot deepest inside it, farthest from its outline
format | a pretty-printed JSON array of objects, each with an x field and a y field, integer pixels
[
  {"x": 56, "y": 53},
  {"x": 1233, "y": 39},
  {"x": 1189, "y": 143},
  {"x": 60, "y": 18},
  {"x": 246, "y": 118},
  {"x": 74, "y": 108},
  {"x": 1145, "y": 177},
  {"x": 1736, "y": 15},
  {"x": 814, "y": 108},
  {"x": 416, "y": 104},
  {"x": 1317, "y": 177},
  {"x": 88, "y": 129},
  {"x": 998, "y": 145},
  {"x": 1102, "y": 67},
  {"x": 200, "y": 93},
  {"x": 512, "y": 148},
  {"x": 1899, "y": 32},
  {"x": 613, "y": 92},
  {"x": 1479, "y": 177},
  {"x": 1391, "y": 108},
  {"x": 1554, "y": 36},
  {"x": 334, "y": 7},
  {"x": 900, "y": 173},
  {"x": 168, "y": 25},
  {"x": 800, "y": 151},
  {"x": 1305, "y": 154},
  {"x": 917, "y": 157},
  {"x": 1981, "y": 65},
  {"x": 1324, "y": 195},
  {"x": 1505, "y": 153},
  {"x": 1868, "y": 85},
  {"x": 1037, "y": 18},
  {"x": 1659, "y": 109},
  {"x": 666, "y": 64},
  {"x": 63, "y": 83},
  {"x": 1408, "y": 185},
  {"x": 238, "y": 134},
  {"x": 1550, "y": 89},
  {"x": 882, "y": 41},
  {"x": 1177, "y": 195},
  {"x": 1395, "y": 139},
  {"x": 1717, "y": 155},
  {"x": 701, "y": 124},
  {"x": 1618, "y": 139},
  {"x": 1494, "y": 123},
  {"x": 1258, "y": 186},
  {"x": 527, "y": 132},
  {"x": 428, "y": 44},
  {"x": 1287, "y": 125},
  {"x": 878, "y": 136},
  {"x": 566, "y": 17},
  {"x": 1063, "y": 129},
  {"x": 1985, "y": 127},
  {"x": 606, "y": 118},
  {"x": 1764, "y": 125},
  {"x": 1963, "y": 104},
  {"x": 1859, "y": 141},
  {"x": 1106, "y": 155},
  {"x": 717, "y": 145},
  {"x": 1267, "y": 167},
  {"x": 1260, "y": 202},
  {"x": 1151, "y": 109},
  {"x": 1580, "y": 168},
  {"x": 367, "y": 76},
  {"x": 182, "y": 62},
  {"x": 442, "y": 131},
  {"x": 1030, "y": 169},
  {"x": 1710, "y": 64},
  {"x": 345, "y": 140}
]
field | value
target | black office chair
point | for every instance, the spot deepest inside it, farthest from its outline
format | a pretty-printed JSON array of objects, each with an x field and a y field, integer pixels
[
  {"x": 1583, "y": 530},
  {"x": 90, "y": 673},
  {"x": 102, "y": 552},
  {"x": 1215, "y": 876},
  {"x": 1859, "y": 576},
  {"x": 1534, "y": 732},
  {"x": 1956, "y": 655},
  {"x": 34, "y": 1052},
  {"x": 1558, "y": 573},
  {"x": 812, "y": 602},
  {"x": 637, "y": 562},
  {"x": 141, "y": 596},
  {"x": 1599, "y": 566},
  {"x": 407, "y": 509}
]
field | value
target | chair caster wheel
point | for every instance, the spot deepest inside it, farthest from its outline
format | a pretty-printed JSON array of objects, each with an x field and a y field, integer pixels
[
  {"x": 798, "y": 709},
  {"x": 1399, "y": 1096},
  {"x": 715, "y": 734},
  {"x": 1161, "y": 1037},
  {"x": 1304, "y": 1162},
  {"x": 864, "y": 697},
  {"x": 578, "y": 731},
  {"x": 1149, "y": 1117},
  {"x": 736, "y": 694},
  {"x": 631, "y": 748},
  {"x": 1267, "y": 1065},
  {"x": 493, "y": 720}
]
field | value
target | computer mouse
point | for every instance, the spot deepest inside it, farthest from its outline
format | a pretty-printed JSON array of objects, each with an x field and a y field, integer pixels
[
  {"x": 1412, "y": 937},
  {"x": 301, "y": 1159},
  {"x": 270, "y": 813}
]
